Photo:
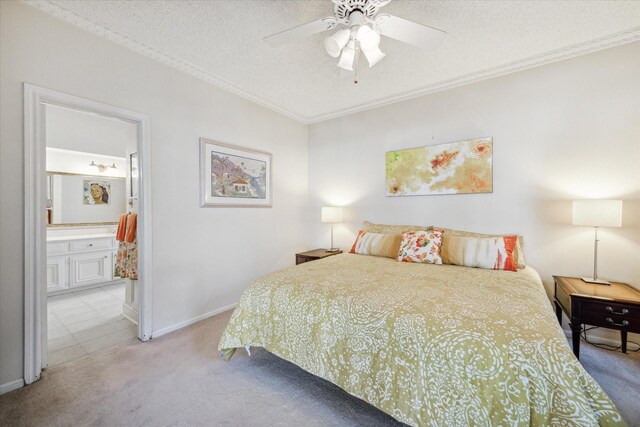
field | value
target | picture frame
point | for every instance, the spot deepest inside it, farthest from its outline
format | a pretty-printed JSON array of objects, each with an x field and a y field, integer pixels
[
  {"x": 461, "y": 167},
  {"x": 234, "y": 176},
  {"x": 96, "y": 192}
]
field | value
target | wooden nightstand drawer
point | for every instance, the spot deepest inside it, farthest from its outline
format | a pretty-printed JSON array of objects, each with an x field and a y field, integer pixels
[
  {"x": 609, "y": 308},
  {"x": 608, "y": 321},
  {"x": 302, "y": 259},
  {"x": 610, "y": 315}
]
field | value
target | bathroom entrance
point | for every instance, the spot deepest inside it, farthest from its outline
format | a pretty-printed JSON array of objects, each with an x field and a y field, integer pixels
[
  {"x": 87, "y": 256},
  {"x": 91, "y": 165}
]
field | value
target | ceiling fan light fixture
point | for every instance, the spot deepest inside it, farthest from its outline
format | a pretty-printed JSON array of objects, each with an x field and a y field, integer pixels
[
  {"x": 348, "y": 56},
  {"x": 369, "y": 43},
  {"x": 373, "y": 55},
  {"x": 367, "y": 36},
  {"x": 335, "y": 43}
]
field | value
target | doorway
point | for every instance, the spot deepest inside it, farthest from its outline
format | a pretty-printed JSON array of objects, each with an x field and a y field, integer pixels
[
  {"x": 71, "y": 220},
  {"x": 90, "y": 185}
]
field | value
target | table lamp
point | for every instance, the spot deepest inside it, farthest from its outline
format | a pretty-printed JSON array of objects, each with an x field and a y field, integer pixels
[
  {"x": 332, "y": 215},
  {"x": 597, "y": 213}
]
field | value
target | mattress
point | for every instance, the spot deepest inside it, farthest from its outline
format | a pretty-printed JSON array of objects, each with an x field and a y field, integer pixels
[{"x": 428, "y": 344}]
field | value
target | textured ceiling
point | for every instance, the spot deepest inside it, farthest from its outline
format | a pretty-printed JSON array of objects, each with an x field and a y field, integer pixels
[{"x": 221, "y": 42}]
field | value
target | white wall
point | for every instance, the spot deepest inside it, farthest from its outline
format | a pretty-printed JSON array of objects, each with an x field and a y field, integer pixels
[
  {"x": 203, "y": 258},
  {"x": 75, "y": 130},
  {"x": 565, "y": 131}
]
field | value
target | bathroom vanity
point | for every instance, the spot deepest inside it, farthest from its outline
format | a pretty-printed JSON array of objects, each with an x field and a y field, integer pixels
[{"x": 80, "y": 261}]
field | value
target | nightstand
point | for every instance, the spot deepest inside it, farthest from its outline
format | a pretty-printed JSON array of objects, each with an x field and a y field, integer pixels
[
  {"x": 313, "y": 255},
  {"x": 615, "y": 306}
]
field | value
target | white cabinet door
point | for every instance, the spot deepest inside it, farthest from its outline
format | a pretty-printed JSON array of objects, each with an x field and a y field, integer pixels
[
  {"x": 90, "y": 268},
  {"x": 57, "y": 274}
]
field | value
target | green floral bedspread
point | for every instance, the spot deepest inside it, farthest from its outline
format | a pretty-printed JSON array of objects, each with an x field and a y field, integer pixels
[{"x": 433, "y": 345}]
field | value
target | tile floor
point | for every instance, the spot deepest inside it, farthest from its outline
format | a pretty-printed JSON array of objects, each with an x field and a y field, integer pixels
[{"x": 86, "y": 321}]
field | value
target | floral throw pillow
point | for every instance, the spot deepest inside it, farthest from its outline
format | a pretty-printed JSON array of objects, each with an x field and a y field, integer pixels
[{"x": 421, "y": 246}]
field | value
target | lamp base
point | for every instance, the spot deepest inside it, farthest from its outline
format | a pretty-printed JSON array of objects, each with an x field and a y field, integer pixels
[
  {"x": 596, "y": 281},
  {"x": 332, "y": 250}
]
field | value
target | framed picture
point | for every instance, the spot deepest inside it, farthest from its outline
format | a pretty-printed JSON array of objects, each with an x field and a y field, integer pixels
[
  {"x": 96, "y": 192},
  {"x": 454, "y": 168},
  {"x": 234, "y": 176}
]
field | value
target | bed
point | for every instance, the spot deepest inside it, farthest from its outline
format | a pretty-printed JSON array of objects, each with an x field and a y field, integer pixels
[{"x": 437, "y": 345}]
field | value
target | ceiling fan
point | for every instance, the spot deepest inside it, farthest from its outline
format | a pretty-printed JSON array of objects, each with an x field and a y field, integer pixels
[{"x": 364, "y": 27}]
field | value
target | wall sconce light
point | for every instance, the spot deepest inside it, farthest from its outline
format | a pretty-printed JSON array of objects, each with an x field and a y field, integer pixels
[{"x": 101, "y": 167}]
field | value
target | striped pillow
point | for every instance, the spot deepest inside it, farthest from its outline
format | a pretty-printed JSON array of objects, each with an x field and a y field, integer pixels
[
  {"x": 489, "y": 252},
  {"x": 518, "y": 253},
  {"x": 376, "y": 244}
]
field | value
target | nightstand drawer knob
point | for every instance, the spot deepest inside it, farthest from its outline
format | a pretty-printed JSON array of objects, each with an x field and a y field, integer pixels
[
  {"x": 623, "y": 312},
  {"x": 624, "y": 322}
]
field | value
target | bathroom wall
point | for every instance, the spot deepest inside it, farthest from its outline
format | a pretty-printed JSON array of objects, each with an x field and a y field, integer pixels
[
  {"x": 70, "y": 200},
  {"x": 59, "y": 160}
]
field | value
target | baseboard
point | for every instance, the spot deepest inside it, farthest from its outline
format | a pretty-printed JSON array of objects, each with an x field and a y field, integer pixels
[
  {"x": 131, "y": 314},
  {"x": 11, "y": 385},
  {"x": 84, "y": 288},
  {"x": 191, "y": 321}
]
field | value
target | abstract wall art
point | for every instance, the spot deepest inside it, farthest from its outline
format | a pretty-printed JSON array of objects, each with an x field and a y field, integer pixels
[{"x": 453, "y": 168}]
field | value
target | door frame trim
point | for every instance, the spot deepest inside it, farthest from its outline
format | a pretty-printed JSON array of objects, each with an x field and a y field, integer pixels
[{"x": 35, "y": 230}]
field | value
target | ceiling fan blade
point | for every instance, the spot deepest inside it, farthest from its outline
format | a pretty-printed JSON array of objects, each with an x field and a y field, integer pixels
[
  {"x": 301, "y": 32},
  {"x": 409, "y": 32}
]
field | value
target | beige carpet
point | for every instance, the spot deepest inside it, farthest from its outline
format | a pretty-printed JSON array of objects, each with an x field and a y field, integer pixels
[{"x": 179, "y": 380}]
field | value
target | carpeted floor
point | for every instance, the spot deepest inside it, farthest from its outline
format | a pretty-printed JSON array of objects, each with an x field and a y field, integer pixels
[{"x": 179, "y": 380}]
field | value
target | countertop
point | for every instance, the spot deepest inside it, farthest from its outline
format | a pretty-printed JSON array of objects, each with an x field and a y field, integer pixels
[{"x": 79, "y": 237}]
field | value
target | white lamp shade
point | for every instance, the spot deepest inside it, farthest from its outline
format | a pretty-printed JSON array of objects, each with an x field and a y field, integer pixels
[
  {"x": 373, "y": 55},
  {"x": 334, "y": 44},
  {"x": 369, "y": 43},
  {"x": 597, "y": 213},
  {"x": 331, "y": 214},
  {"x": 368, "y": 37},
  {"x": 348, "y": 56}
]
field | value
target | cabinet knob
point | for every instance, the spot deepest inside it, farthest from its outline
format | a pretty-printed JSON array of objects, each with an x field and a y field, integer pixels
[
  {"x": 624, "y": 322},
  {"x": 90, "y": 244},
  {"x": 623, "y": 312}
]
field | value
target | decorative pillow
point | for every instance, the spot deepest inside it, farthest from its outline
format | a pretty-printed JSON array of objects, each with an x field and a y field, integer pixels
[
  {"x": 377, "y": 244},
  {"x": 421, "y": 246},
  {"x": 482, "y": 252},
  {"x": 370, "y": 227},
  {"x": 518, "y": 254}
]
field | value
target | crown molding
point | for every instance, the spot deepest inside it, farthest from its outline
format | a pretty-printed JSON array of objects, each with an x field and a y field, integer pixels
[
  {"x": 557, "y": 55},
  {"x": 568, "y": 52},
  {"x": 166, "y": 59}
]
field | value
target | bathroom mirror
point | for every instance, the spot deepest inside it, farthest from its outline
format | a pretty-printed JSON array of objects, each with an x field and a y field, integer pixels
[{"x": 78, "y": 199}]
